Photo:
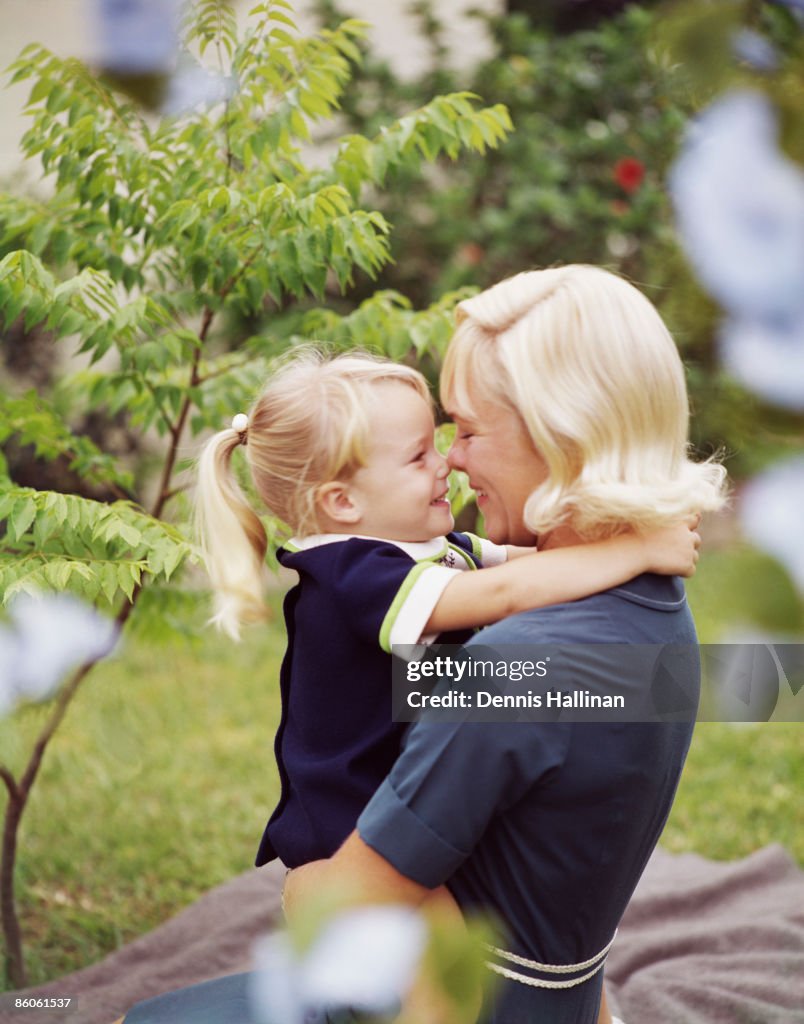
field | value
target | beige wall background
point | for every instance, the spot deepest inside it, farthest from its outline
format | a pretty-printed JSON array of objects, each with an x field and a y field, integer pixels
[{"x": 66, "y": 27}]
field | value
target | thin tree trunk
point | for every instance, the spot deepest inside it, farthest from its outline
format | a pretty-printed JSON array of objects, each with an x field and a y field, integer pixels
[
  {"x": 14, "y": 962},
  {"x": 18, "y": 794}
]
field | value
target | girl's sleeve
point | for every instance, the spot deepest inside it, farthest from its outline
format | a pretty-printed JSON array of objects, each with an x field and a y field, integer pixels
[
  {"x": 385, "y": 595},
  {"x": 485, "y": 551}
]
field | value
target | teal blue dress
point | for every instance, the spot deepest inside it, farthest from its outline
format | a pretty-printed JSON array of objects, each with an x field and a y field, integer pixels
[{"x": 546, "y": 825}]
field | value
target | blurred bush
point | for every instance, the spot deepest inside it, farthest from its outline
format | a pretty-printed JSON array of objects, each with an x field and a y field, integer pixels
[{"x": 598, "y": 116}]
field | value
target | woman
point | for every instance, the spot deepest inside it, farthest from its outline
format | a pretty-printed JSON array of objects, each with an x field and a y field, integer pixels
[{"x": 569, "y": 398}]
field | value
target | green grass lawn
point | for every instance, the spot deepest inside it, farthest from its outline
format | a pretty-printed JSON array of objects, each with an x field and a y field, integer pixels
[
  {"x": 156, "y": 788},
  {"x": 160, "y": 781}
]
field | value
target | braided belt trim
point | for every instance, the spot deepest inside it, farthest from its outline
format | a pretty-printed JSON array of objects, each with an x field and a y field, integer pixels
[{"x": 596, "y": 963}]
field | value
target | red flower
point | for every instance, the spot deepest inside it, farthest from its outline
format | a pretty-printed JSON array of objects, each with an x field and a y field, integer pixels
[{"x": 628, "y": 173}]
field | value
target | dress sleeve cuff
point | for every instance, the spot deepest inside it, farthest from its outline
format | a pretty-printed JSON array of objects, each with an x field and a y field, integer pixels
[
  {"x": 408, "y": 615},
  {"x": 394, "y": 831},
  {"x": 488, "y": 552},
  {"x": 492, "y": 554}
]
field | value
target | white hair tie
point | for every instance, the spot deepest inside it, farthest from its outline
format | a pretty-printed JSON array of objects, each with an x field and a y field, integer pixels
[{"x": 240, "y": 424}]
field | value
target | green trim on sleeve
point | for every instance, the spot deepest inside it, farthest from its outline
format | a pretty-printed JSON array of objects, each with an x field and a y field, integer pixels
[
  {"x": 477, "y": 545},
  {"x": 396, "y": 605},
  {"x": 465, "y": 554}
]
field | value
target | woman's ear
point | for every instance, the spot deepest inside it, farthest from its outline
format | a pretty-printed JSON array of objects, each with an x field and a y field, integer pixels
[{"x": 336, "y": 502}]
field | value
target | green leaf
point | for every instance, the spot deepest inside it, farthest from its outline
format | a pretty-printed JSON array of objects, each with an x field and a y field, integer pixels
[
  {"x": 21, "y": 517},
  {"x": 174, "y": 556},
  {"x": 129, "y": 534},
  {"x": 109, "y": 581},
  {"x": 128, "y": 576},
  {"x": 40, "y": 91}
]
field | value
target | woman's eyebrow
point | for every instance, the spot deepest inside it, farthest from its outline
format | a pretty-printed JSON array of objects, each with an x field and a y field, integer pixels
[{"x": 463, "y": 418}]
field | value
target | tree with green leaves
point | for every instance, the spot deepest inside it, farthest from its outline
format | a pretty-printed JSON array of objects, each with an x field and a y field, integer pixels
[
  {"x": 161, "y": 238},
  {"x": 600, "y": 101}
]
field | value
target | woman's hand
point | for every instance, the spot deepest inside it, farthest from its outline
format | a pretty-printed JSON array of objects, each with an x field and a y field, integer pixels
[
  {"x": 673, "y": 550},
  {"x": 361, "y": 876}
]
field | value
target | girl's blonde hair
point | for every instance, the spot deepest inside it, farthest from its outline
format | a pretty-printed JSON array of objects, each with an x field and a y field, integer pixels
[
  {"x": 586, "y": 362},
  {"x": 309, "y": 426}
]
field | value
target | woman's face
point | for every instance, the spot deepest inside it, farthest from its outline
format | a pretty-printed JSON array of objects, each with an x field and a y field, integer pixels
[{"x": 494, "y": 449}]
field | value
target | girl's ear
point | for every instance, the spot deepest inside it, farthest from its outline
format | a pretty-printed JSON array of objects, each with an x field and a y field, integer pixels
[{"x": 336, "y": 502}]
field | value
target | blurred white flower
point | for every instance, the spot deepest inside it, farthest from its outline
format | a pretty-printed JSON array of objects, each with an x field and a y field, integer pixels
[
  {"x": 754, "y": 674},
  {"x": 740, "y": 209},
  {"x": 137, "y": 36},
  {"x": 365, "y": 959},
  {"x": 8, "y": 657},
  {"x": 744, "y": 678},
  {"x": 274, "y": 992},
  {"x": 47, "y": 636},
  {"x": 771, "y": 517},
  {"x": 767, "y": 357}
]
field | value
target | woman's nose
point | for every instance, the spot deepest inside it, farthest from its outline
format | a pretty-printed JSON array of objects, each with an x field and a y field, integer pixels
[{"x": 455, "y": 458}]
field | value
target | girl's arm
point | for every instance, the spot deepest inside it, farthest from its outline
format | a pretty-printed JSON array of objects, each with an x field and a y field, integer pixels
[
  {"x": 559, "y": 575},
  {"x": 513, "y": 551}
]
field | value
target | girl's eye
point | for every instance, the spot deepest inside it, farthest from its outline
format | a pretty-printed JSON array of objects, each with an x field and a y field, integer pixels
[{"x": 465, "y": 437}]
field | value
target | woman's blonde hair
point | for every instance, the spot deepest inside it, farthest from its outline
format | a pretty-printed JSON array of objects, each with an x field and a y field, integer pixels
[
  {"x": 586, "y": 362},
  {"x": 310, "y": 426}
]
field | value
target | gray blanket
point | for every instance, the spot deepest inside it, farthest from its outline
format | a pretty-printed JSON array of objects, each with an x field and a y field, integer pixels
[{"x": 701, "y": 943}]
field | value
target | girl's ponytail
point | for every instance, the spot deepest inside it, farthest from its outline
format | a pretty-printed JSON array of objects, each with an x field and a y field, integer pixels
[
  {"x": 232, "y": 537},
  {"x": 308, "y": 427}
]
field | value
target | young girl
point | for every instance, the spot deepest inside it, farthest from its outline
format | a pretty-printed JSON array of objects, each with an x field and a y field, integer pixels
[{"x": 342, "y": 451}]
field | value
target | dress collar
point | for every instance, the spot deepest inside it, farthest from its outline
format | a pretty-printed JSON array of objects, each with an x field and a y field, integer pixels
[{"x": 417, "y": 550}]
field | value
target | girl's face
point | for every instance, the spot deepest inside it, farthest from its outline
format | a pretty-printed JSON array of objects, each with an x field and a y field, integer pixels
[
  {"x": 494, "y": 449},
  {"x": 401, "y": 494}
]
